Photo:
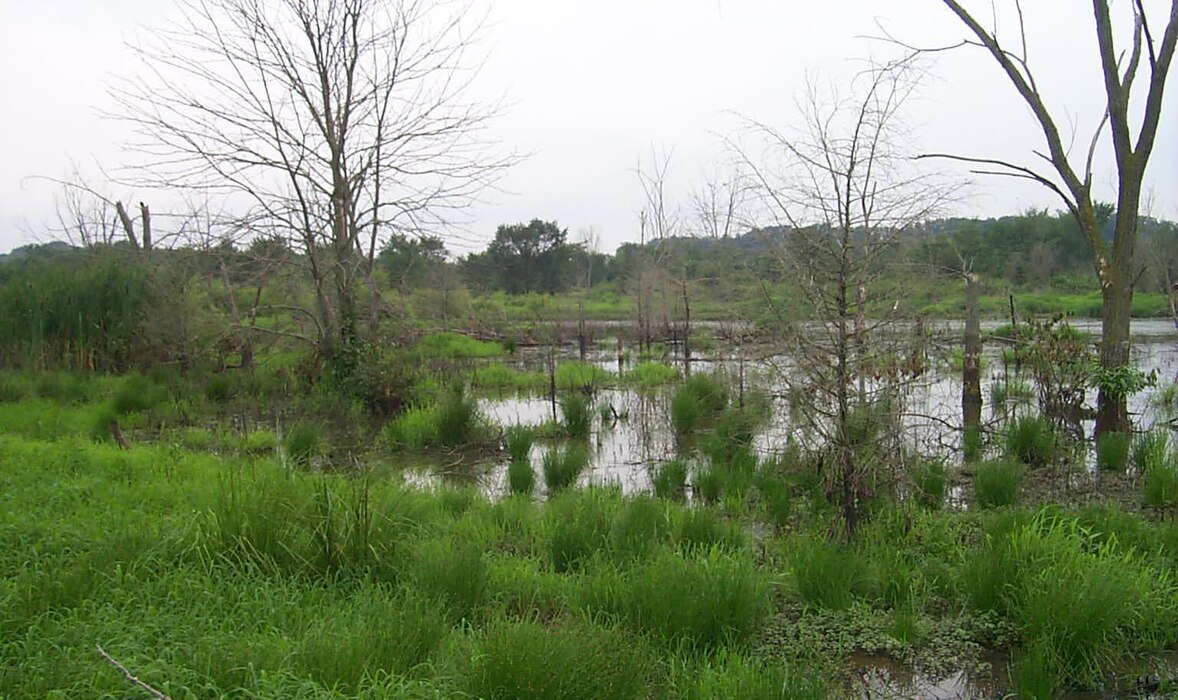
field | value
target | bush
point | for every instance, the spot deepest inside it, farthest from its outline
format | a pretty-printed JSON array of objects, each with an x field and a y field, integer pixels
[
  {"x": 562, "y": 467},
  {"x": 1112, "y": 451},
  {"x": 670, "y": 479},
  {"x": 302, "y": 442},
  {"x": 1031, "y": 440},
  {"x": 578, "y": 419},
  {"x": 575, "y": 660},
  {"x": 997, "y": 483}
]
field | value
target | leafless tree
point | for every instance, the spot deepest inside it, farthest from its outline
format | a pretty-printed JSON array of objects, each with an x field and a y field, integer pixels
[
  {"x": 659, "y": 222},
  {"x": 843, "y": 189},
  {"x": 1132, "y": 126},
  {"x": 330, "y": 124}
]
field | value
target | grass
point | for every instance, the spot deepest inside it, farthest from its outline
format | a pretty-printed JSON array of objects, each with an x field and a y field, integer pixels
[
  {"x": 563, "y": 466},
  {"x": 1112, "y": 451},
  {"x": 577, "y": 413},
  {"x": 699, "y": 398},
  {"x": 455, "y": 345},
  {"x": 572, "y": 376},
  {"x": 649, "y": 375},
  {"x": 930, "y": 482},
  {"x": 302, "y": 442},
  {"x": 825, "y": 574},
  {"x": 670, "y": 479},
  {"x": 1032, "y": 441},
  {"x": 500, "y": 376},
  {"x": 521, "y": 477},
  {"x": 1159, "y": 481},
  {"x": 997, "y": 483},
  {"x": 453, "y": 422},
  {"x": 518, "y": 440}
]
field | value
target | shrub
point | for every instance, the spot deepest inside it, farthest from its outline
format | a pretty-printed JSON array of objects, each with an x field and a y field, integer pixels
[
  {"x": 521, "y": 478},
  {"x": 670, "y": 479},
  {"x": 518, "y": 440},
  {"x": 302, "y": 442},
  {"x": 1031, "y": 440},
  {"x": 997, "y": 483},
  {"x": 930, "y": 481},
  {"x": 578, "y": 419},
  {"x": 704, "y": 601},
  {"x": 826, "y": 574},
  {"x": 1112, "y": 451},
  {"x": 562, "y": 467},
  {"x": 575, "y": 660}
]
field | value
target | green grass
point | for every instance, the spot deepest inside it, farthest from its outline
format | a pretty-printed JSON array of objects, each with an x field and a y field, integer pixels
[
  {"x": 648, "y": 375},
  {"x": 670, "y": 479},
  {"x": 453, "y": 422},
  {"x": 303, "y": 442},
  {"x": 518, "y": 440},
  {"x": 577, "y": 413},
  {"x": 521, "y": 477},
  {"x": 930, "y": 483},
  {"x": 825, "y": 573},
  {"x": 698, "y": 399},
  {"x": 1032, "y": 441},
  {"x": 1159, "y": 481},
  {"x": 563, "y": 466},
  {"x": 1112, "y": 451},
  {"x": 500, "y": 376},
  {"x": 455, "y": 345},
  {"x": 579, "y": 375},
  {"x": 997, "y": 483}
]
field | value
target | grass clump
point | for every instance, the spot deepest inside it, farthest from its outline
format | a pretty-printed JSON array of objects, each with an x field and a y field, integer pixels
[
  {"x": 521, "y": 478},
  {"x": 453, "y": 422},
  {"x": 730, "y": 676},
  {"x": 303, "y": 442},
  {"x": 1112, "y": 451},
  {"x": 259, "y": 443},
  {"x": 930, "y": 483},
  {"x": 574, "y": 660},
  {"x": 580, "y": 524},
  {"x": 699, "y": 398},
  {"x": 670, "y": 479},
  {"x": 578, "y": 375},
  {"x": 1150, "y": 448},
  {"x": 648, "y": 375},
  {"x": 500, "y": 376},
  {"x": 448, "y": 345},
  {"x": 563, "y": 466},
  {"x": 578, "y": 418},
  {"x": 825, "y": 573},
  {"x": 997, "y": 483},
  {"x": 453, "y": 572},
  {"x": 137, "y": 394},
  {"x": 1159, "y": 481},
  {"x": 1031, "y": 440}
]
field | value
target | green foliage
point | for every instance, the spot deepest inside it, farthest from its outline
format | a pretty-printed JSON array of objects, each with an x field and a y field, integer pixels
[
  {"x": 997, "y": 483},
  {"x": 521, "y": 477},
  {"x": 647, "y": 375},
  {"x": 1149, "y": 448},
  {"x": 699, "y": 398},
  {"x": 500, "y": 376},
  {"x": 572, "y": 376},
  {"x": 136, "y": 395},
  {"x": 1121, "y": 382},
  {"x": 453, "y": 422},
  {"x": 708, "y": 484},
  {"x": 259, "y": 443},
  {"x": 930, "y": 482},
  {"x": 670, "y": 479},
  {"x": 454, "y": 346},
  {"x": 452, "y": 571},
  {"x": 580, "y": 524},
  {"x": 457, "y": 420},
  {"x": 1112, "y": 451},
  {"x": 575, "y": 660},
  {"x": 1159, "y": 481},
  {"x": 704, "y": 601},
  {"x": 1031, "y": 440},
  {"x": 220, "y": 388},
  {"x": 518, "y": 440},
  {"x": 302, "y": 442},
  {"x": 825, "y": 573},
  {"x": 730, "y": 676},
  {"x": 562, "y": 466},
  {"x": 578, "y": 418}
]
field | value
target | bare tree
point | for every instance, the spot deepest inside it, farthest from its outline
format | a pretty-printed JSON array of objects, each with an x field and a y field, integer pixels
[
  {"x": 331, "y": 124},
  {"x": 1070, "y": 175},
  {"x": 843, "y": 189},
  {"x": 659, "y": 221}
]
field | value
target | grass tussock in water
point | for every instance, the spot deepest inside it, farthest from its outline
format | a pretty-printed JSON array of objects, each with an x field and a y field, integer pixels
[
  {"x": 577, "y": 413},
  {"x": 564, "y": 465},
  {"x": 698, "y": 399},
  {"x": 1031, "y": 440},
  {"x": 997, "y": 483}
]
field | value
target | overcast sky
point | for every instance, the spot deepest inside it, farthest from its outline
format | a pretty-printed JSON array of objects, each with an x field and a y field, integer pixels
[{"x": 593, "y": 85}]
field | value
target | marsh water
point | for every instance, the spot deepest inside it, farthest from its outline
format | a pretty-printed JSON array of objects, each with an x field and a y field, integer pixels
[{"x": 633, "y": 434}]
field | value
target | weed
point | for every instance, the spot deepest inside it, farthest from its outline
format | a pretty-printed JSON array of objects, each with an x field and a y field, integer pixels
[
  {"x": 578, "y": 418},
  {"x": 670, "y": 479},
  {"x": 455, "y": 345},
  {"x": 825, "y": 573},
  {"x": 930, "y": 482},
  {"x": 578, "y": 375},
  {"x": 1159, "y": 482}
]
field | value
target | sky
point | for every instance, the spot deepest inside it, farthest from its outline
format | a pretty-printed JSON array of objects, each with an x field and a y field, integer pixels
[{"x": 593, "y": 86}]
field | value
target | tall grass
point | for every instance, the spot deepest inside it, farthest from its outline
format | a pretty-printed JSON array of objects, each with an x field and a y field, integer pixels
[
  {"x": 1112, "y": 451},
  {"x": 696, "y": 400},
  {"x": 648, "y": 375},
  {"x": 1032, "y": 441},
  {"x": 997, "y": 483},
  {"x": 578, "y": 418},
  {"x": 825, "y": 573},
  {"x": 302, "y": 442},
  {"x": 930, "y": 482},
  {"x": 521, "y": 477},
  {"x": 670, "y": 479},
  {"x": 518, "y": 440},
  {"x": 563, "y": 466},
  {"x": 455, "y": 345},
  {"x": 1150, "y": 448},
  {"x": 731, "y": 676},
  {"x": 453, "y": 422},
  {"x": 1159, "y": 483}
]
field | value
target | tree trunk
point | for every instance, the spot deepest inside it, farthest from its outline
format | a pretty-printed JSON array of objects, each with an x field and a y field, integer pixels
[
  {"x": 971, "y": 376},
  {"x": 686, "y": 333},
  {"x": 1112, "y": 414}
]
